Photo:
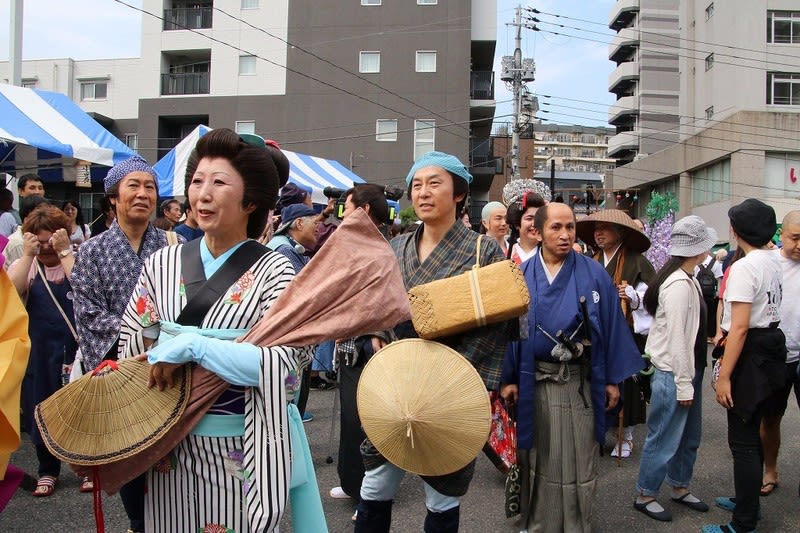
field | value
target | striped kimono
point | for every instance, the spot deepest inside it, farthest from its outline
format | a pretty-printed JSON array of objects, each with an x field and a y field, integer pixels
[{"x": 221, "y": 484}]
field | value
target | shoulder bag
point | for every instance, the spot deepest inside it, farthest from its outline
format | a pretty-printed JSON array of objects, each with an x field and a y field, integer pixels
[
  {"x": 483, "y": 295},
  {"x": 69, "y": 371}
]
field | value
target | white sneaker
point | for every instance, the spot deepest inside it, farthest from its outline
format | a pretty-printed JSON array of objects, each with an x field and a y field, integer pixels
[
  {"x": 626, "y": 449},
  {"x": 338, "y": 493}
]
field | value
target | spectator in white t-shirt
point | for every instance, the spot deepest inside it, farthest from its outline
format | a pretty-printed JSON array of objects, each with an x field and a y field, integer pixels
[
  {"x": 775, "y": 405},
  {"x": 754, "y": 364}
]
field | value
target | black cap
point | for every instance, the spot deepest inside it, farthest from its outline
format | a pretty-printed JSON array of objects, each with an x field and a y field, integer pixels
[{"x": 753, "y": 221}]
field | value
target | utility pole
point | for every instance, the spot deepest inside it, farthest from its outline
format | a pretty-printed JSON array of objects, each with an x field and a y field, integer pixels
[
  {"x": 15, "y": 43},
  {"x": 517, "y": 72}
]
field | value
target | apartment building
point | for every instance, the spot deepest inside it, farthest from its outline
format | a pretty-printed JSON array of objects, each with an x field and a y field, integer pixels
[
  {"x": 645, "y": 80},
  {"x": 580, "y": 154},
  {"x": 369, "y": 83},
  {"x": 739, "y": 76}
]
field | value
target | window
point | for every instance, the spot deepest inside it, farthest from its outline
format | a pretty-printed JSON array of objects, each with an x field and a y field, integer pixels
[
  {"x": 564, "y": 137},
  {"x": 712, "y": 183},
  {"x": 783, "y": 88},
  {"x": 564, "y": 152},
  {"x": 427, "y": 2},
  {"x": 709, "y": 61},
  {"x": 132, "y": 140},
  {"x": 386, "y": 130},
  {"x": 710, "y": 112},
  {"x": 783, "y": 27},
  {"x": 423, "y": 137},
  {"x": 370, "y": 2},
  {"x": 426, "y": 61},
  {"x": 710, "y": 10},
  {"x": 29, "y": 83},
  {"x": 245, "y": 126},
  {"x": 247, "y": 65},
  {"x": 249, "y": 4},
  {"x": 369, "y": 62},
  {"x": 94, "y": 90},
  {"x": 588, "y": 139},
  {"x": 587, "y": 153}
]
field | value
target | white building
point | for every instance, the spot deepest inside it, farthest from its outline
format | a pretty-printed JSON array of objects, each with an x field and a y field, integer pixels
[{"x": 739, "y": 100}]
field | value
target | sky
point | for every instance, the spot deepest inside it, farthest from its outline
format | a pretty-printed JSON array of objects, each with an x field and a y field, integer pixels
[{"x": 572, "y": 69}]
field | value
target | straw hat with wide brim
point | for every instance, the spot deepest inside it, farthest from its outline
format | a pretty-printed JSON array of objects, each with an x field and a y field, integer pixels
[
  {"x": 110, "y": 414},
  {"x": 633, "y": 238},
  {"x": 424, "y": 407}
]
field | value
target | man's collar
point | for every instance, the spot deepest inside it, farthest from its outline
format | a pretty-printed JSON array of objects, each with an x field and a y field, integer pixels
[{"x": 607, "y": 258}]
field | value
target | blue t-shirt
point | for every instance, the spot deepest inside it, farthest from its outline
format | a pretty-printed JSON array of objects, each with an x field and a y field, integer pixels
[{"x": 188, "y": 233}]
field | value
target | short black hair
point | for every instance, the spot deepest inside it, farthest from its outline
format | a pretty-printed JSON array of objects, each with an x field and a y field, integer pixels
[
  {"x": 374, "y": 196},
  {"x": 29, "y": 203},
  {"x": 460, "y": 186},
  {"x": 26, "y": 178},
  {"x": 540, "y": 219},
  {"x": 166, "y": 204}
]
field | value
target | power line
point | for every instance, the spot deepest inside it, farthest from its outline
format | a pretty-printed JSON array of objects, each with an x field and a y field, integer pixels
[
  {"x": 334, "y": 65},
  {"x": 287, "y": 68},
  {"x": 729, "y": 47}
]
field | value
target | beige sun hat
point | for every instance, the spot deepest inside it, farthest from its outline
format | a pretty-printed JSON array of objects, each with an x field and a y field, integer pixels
[
  {"x": 633, "y": 238},
  {"x": 424, "y": 407},
  {"x": 110, "y": 414}
]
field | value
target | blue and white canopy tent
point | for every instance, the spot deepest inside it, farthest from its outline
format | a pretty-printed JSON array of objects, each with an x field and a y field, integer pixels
[
  {"x": 57, "y": 127},
  {"x": 309, "y": 172}
]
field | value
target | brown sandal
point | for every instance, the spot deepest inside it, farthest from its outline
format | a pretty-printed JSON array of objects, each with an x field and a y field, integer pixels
[
  {"x": 46, "y": 486},
  {"x": 86, "y": 485}
]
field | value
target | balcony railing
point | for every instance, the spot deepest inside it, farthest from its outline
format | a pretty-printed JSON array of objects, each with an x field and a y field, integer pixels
[
  {"x": 192, "y": 18},
  {"x": 481, "y": 85},
  {"x": 185, "y": 83}
]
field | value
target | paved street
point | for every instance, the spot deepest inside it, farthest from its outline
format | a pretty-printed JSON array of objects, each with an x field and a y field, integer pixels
[{"x": 68, "y": 510}]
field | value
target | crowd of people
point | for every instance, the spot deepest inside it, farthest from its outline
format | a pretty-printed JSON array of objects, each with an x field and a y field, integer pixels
[{"x": 607, "y": 343}]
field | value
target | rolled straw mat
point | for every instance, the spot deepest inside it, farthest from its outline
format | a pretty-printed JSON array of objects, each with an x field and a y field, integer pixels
[
  {"x": 424, "y": 407},
  {"x": 110, "y": 414}
]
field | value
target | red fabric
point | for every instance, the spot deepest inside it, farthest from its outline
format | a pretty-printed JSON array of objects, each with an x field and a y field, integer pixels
[{"x": 503, "y": 432}]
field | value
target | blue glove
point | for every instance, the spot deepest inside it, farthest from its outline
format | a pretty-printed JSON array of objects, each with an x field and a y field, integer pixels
[{"x": 237, "y": 363}]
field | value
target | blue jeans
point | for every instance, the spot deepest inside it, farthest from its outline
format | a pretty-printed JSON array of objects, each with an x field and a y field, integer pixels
[
  {"x": 381, "y": 484},
  {"x": 673, "y": 435},
  {"x": 323, "y": 357}
]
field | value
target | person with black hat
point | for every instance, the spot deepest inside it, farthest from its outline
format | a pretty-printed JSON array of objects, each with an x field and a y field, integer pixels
[{"x": 753, "y": 365}]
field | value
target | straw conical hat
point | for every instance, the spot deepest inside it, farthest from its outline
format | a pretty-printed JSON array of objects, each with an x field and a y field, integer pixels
[
  {"x": 424, "y": 407},
  {"x": 112, "y": 415},
  {"x": 633, "y": 238}
]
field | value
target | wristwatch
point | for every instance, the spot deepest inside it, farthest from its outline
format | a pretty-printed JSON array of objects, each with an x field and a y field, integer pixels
[{"x": 64, "y": 253}]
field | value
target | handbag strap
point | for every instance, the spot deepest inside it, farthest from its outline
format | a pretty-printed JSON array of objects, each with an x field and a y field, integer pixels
[
  {"x": 478, "y": 252},
  {"x": 55, "y": 300},
  {"x": 202, "y": 293}
]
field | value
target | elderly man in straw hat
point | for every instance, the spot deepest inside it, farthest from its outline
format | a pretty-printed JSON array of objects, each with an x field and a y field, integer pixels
[
  {"x": 104, "y": 277},
  {"x": 620, "y": 245},
  {"x": 440, "y": 247},
  {"x": 563, "y": 376}
]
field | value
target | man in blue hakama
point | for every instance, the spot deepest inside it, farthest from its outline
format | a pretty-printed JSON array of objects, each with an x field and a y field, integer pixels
[{"x": 562, "y": 388}]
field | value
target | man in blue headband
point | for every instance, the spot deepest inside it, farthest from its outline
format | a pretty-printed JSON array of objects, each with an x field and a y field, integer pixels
[
  {"x": 440, "y": 247},
  {"x": 104, "y": 277}
]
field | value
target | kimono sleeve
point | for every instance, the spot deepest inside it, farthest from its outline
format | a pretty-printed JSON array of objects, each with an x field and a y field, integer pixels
[
  {"x": 97, "y": 324},
  {"x": 140, "y": 313}
]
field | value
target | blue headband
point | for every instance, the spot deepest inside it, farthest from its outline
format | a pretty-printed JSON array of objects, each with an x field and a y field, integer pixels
[
  {"x": 123, "y": 168},
  {"x": 439, "y": 159}
]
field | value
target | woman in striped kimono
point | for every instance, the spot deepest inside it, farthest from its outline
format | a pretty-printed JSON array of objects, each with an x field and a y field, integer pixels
[{"x": 232, "y": 473}]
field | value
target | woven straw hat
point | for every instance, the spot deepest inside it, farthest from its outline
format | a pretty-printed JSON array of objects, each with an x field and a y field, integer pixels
[
  {"x": 424, "y": 407},
  {"x": 633, "y": 238},
  {"x": 110, "y": 414}
]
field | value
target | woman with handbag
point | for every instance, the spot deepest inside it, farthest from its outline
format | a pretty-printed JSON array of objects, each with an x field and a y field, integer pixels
[
  {"x": 677, "y": 350},
  {"x": 41, "y": 277},
  {"x": 753, "y": 365}
]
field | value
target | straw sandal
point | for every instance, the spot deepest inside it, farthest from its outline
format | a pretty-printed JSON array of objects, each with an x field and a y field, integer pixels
[
  {"x": 87, "y": 485},
  {"x": 46, "y": 486}
]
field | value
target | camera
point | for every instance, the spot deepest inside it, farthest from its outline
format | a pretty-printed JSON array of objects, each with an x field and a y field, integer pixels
[{"x": 333, "y": 192}]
